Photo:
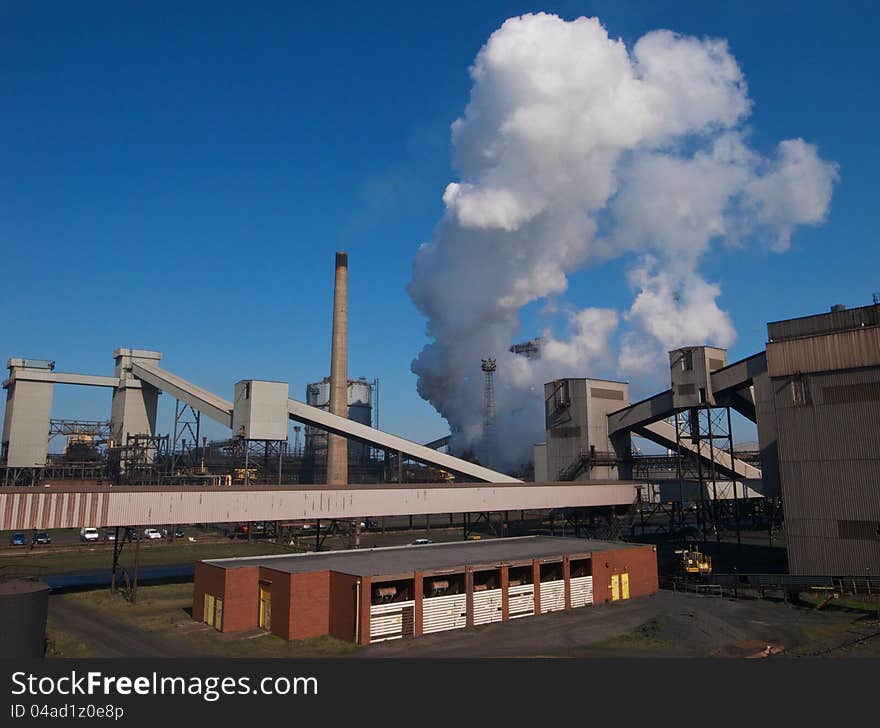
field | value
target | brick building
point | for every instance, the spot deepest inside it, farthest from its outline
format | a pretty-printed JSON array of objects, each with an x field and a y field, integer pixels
[{"x": 371, "y": 595}]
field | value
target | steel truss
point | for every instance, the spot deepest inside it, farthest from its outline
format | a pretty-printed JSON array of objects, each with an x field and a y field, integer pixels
[{"x": 185, "y": 438}]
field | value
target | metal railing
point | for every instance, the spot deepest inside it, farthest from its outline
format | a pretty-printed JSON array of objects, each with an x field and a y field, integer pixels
[{"x": 732, "y": 583}]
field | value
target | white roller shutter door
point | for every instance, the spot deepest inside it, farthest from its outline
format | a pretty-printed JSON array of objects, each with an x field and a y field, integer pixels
[
  {"x": 487, "y": 606},
  {"x": 552, "y": 596},
  {"x": 392, "y": 621},
  {"x": 521, "y": 600},
  {"x": 443, "y": 613},
  {"x": 581, "y": 591}
]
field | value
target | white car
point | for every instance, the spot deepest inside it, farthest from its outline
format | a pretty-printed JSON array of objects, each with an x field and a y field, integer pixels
[
  {"x": 152, "y": 533},
  {"x": 89, "y": 534}
]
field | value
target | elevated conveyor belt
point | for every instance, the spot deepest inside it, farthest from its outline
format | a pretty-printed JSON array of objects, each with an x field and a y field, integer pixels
[
  {"x": 664, "y": 434},
  {"x": 348, "y": 428},
  {"x": 220, "y": 410},
  {"x": 732, "y": 386},
  {"x": 215, "y": 407},
  {"x": 23, "y": 374},
  {"x": 61, "y": 505}
]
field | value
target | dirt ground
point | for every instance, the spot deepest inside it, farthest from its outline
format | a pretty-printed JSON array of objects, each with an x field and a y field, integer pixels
[
  {"x": 667, "y": 624},
  {"x": 97, "y": 623}
]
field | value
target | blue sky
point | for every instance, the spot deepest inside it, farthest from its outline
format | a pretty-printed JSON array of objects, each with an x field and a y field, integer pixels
[{"x": 177, "y": 176}]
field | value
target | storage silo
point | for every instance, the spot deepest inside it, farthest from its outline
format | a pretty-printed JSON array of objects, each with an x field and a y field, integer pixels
[
  {"x": 360, "y": 409},
  {"x": 24, "y": 606}
]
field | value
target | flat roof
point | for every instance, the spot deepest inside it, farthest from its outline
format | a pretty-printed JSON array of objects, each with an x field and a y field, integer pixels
[{"x": 427, "y": 557}]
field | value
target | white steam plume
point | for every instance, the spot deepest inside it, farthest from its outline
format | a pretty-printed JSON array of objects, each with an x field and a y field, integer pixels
[{"x": 574, "y": 150}]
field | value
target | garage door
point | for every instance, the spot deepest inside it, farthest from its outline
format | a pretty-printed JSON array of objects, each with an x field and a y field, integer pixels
[
  {"x": 581, "y": 591},
  {"x": 392, "y": 621},
  {"x": 552, "y": 596},
  {"x": 487, "y": 606},
  {"x": 442, "y": 613},
  {"x": 521, "y": 600}
]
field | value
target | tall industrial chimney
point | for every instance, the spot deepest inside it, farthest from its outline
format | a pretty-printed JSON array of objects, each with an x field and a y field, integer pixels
[{"x": 337, "y": 447}]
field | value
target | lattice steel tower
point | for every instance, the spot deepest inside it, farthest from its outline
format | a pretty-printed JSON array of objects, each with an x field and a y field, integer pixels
[{"x": 489, "y": 368}]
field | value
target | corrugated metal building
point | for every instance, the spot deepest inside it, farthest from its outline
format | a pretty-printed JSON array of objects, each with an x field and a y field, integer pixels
[
  {"x": 578, "y": 445},
  {"x": 825, "y": 374},
  {"x": 372, "y": 595}
]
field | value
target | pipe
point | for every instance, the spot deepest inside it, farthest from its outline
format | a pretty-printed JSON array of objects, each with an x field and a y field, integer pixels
[
  {"x": 337, "y": 447},
  {"x": 357, "y": 611}
]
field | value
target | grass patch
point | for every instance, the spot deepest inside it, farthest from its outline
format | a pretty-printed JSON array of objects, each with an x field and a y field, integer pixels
[
  {"x": 70, "y": 559},
  {"x": 269, "y": 646},
  {"x": 644, "y": 637},
  {"x": 817, "y": 636},
  {"x": 164, "y": 610},
  {"x": 158, "y": 607},
  {"x": 61, "y": 643}
]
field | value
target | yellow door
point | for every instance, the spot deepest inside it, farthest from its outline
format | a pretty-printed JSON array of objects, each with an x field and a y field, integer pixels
[
  {"x": 624, "y": 586},
  {"x": 208, "y": 617},
  {"x": 218, "y": 614},
  {"x": 615, "y": 587},
  {"x": 265, "y": 608}
]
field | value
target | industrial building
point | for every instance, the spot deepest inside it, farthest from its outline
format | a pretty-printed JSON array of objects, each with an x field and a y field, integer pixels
[
  {"x": 361, "y": 394},
  {"x": 825, "y": 381},
  {"x": 579, "y": 445},
  {"x": 257, "y": 417},
  {"x": 372, "y": 595},
  {"x": 812, "y": 395}
]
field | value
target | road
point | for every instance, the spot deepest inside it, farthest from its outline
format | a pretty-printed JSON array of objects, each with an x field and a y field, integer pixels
[{"x": 107, "y": 636}]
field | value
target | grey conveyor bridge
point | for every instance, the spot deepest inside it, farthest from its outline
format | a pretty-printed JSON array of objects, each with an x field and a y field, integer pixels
[
  {"x": 65, "y": 505},
  {"x": 220, "y": 410},
  {"x": 733, "y": 386}
]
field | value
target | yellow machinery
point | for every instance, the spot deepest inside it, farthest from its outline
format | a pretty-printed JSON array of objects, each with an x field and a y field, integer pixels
[
  {"x": 243, "y": 475},
  {"x": 694, "y": 562}
]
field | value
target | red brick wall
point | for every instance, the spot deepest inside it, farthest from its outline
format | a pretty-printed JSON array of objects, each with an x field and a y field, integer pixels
[
  {"x": 419, "y": 599},
  {"x": 469, "y": 595},
  {"x": 343, "y": 596},
  {"x": 309, "y": 605},
  {"x": 236, "y": 587},
  {"x": 566, "y": 575},
  {"x": 640, "y": 563},
  {"x": 279, "y": 587},
  {"x": 536, "y": 581},
  {"x": 364, "y": 631},
  {"x": 505, "y": 599},
  {"x": 209, "y": 579},
  {"x": 241, "y": 606}
]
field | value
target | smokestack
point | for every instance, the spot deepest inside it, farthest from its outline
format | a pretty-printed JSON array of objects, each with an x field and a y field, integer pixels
[{"x": 337, "y": 447}]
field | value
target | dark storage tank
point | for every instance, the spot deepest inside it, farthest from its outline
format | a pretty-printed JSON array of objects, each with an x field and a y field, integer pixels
[{"x": 24, "y": 605}]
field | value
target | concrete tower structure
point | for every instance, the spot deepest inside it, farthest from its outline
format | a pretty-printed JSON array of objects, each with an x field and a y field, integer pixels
[{"x": 337, "y": 447}]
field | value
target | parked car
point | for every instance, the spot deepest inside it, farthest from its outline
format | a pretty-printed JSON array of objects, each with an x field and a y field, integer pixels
[
  {"x": 421, "y": 542},
  {"x": 18, "y": 539},
  {"x": 89, "y": 534},
  {"x": 110, "y": 534},
  {"x": 42, "y": 538},
  {"x": 152, "y": 533},
  {"x": 178, "y": 532}
]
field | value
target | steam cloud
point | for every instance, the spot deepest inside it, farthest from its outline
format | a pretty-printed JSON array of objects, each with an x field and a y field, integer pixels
[{"x": 572, "y": 151}]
